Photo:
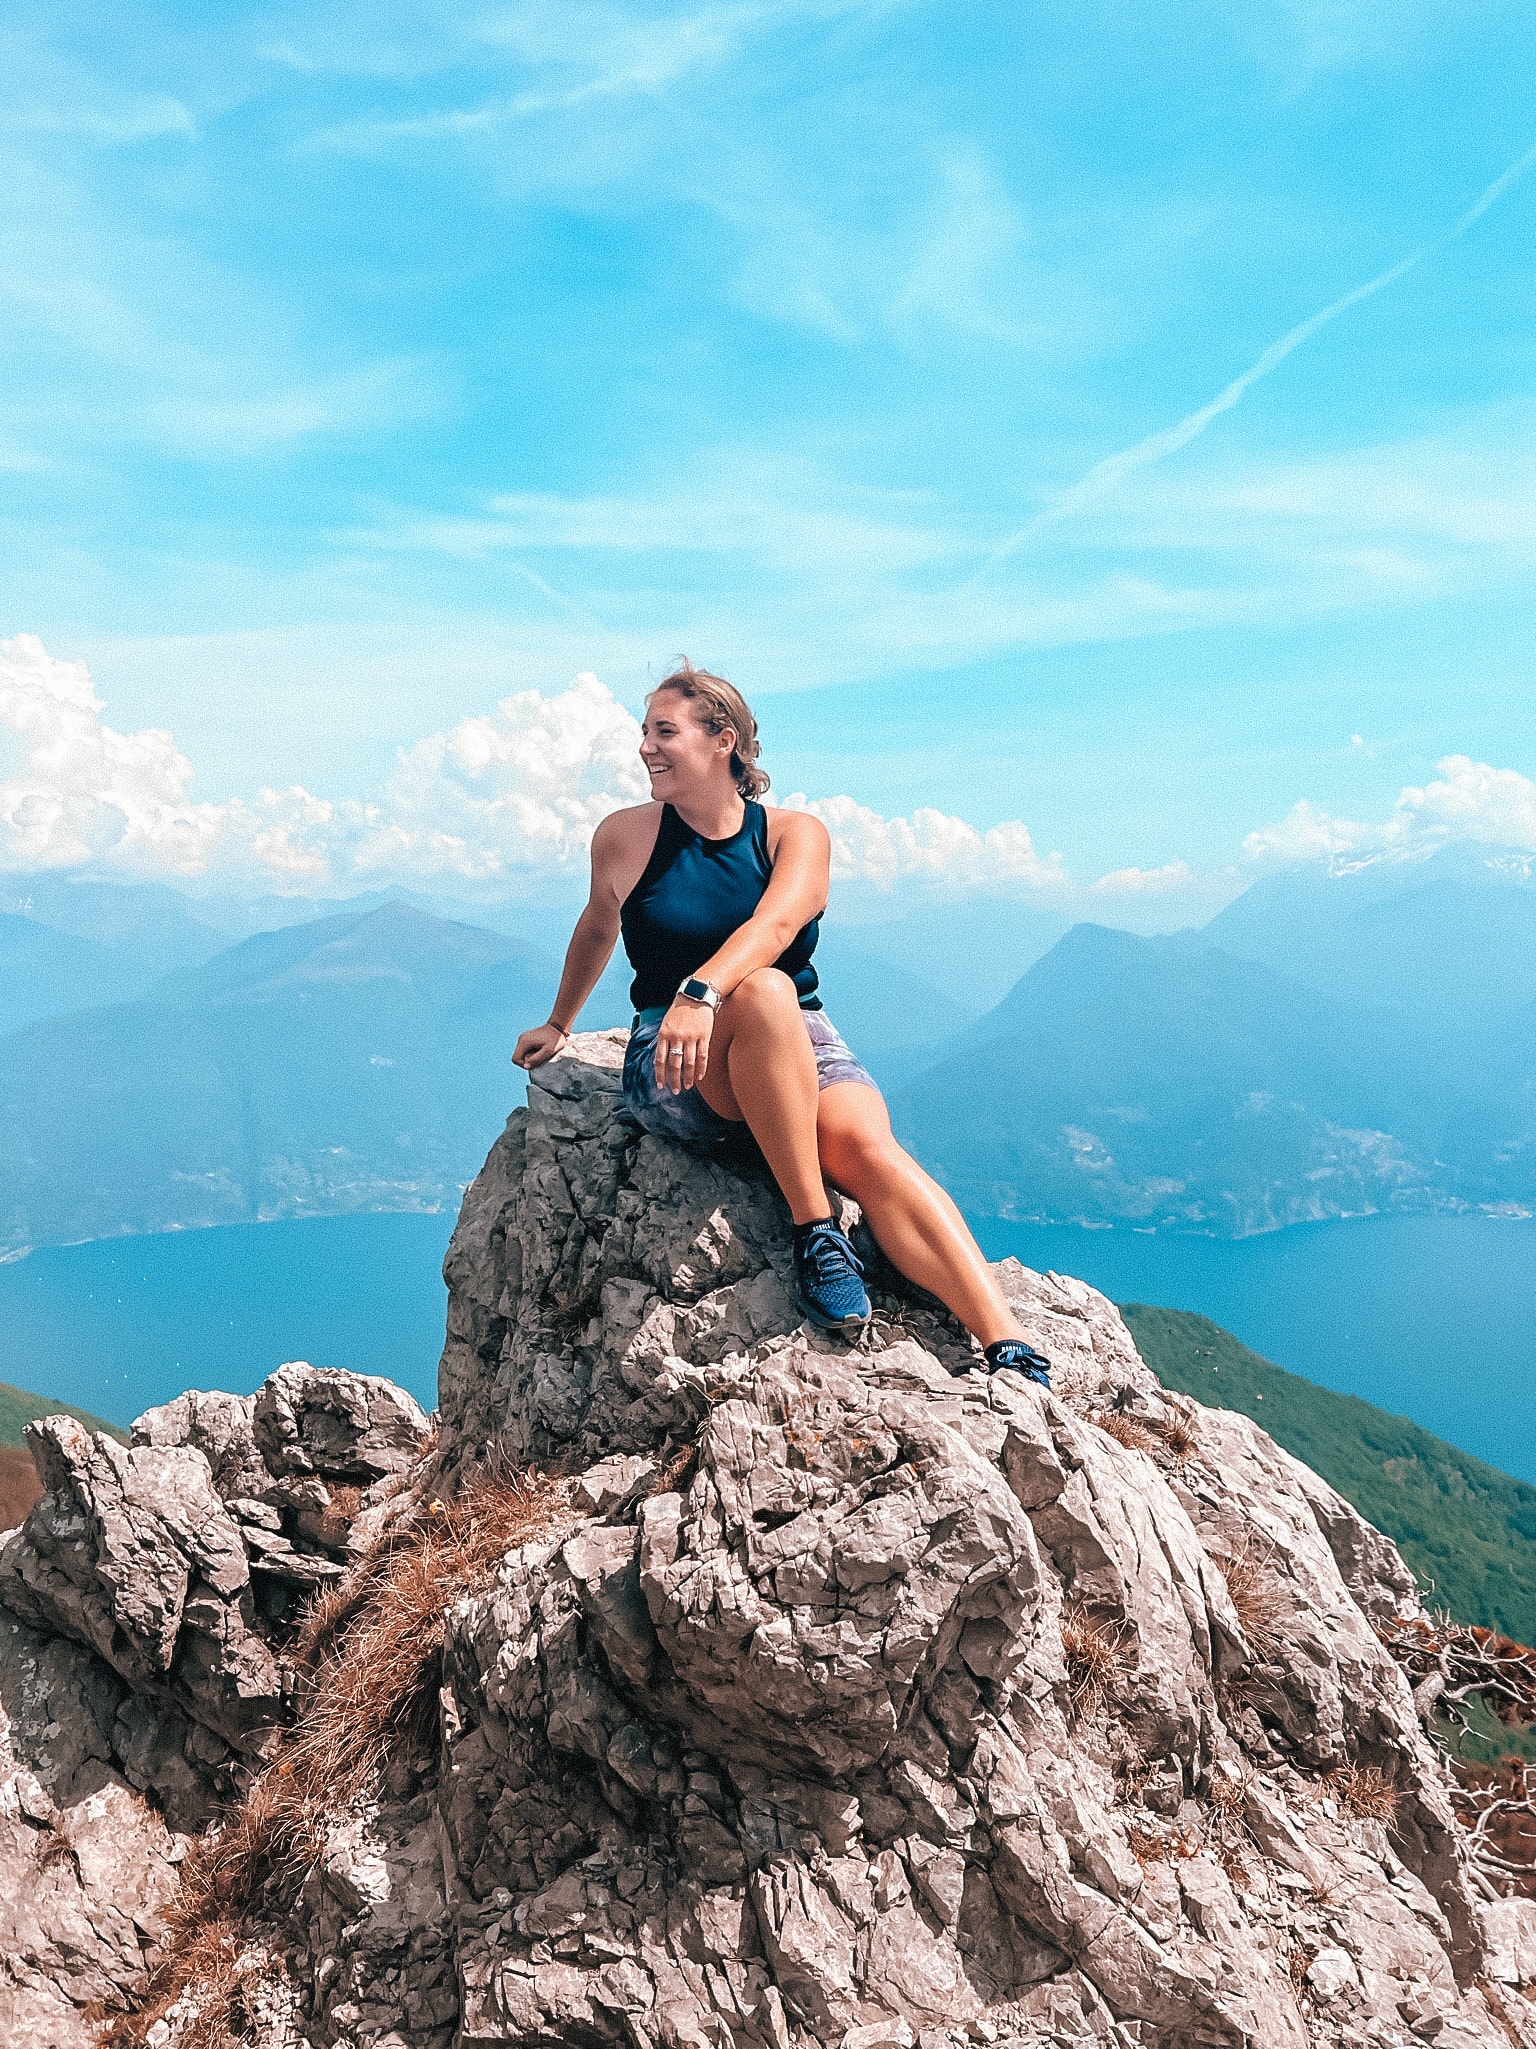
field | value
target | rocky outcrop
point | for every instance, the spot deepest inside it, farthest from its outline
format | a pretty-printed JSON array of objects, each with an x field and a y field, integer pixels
[
  {"x": 86, "y": 1864},
  {"x": 145, "y": 1608},
  {"x": 842, "y": 1698}
]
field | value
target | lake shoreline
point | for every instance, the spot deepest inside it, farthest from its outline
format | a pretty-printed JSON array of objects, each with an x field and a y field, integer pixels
[{"x": 1423, "y": 1315}]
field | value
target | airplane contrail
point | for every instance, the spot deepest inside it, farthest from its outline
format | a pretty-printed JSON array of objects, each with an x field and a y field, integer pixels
[
  {"x": 1169, "y": 440},
  {"x": 1486, "y": 198}
]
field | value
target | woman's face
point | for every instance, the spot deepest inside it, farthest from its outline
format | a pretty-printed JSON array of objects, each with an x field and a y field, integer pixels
[{"x": 679, "y": 753}]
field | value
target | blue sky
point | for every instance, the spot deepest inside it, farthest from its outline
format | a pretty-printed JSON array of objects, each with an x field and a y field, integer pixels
[{"x": 365, "y": 365}]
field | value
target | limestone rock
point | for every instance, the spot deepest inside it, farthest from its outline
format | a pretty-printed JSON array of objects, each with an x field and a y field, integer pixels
[
  {"x": 342, "y": 1426},
  {"x": 905, "y": 1704},
  {"x": 851, "y": 1698},
  {"x": 86, "y": 1864},
  {"x": 144, "y": 1608}
]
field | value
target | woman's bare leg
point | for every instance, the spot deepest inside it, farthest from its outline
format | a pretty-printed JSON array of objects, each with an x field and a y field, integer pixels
[
  {"x": 762, "y": 1068},
  {"x": 916, "y": 1225}
]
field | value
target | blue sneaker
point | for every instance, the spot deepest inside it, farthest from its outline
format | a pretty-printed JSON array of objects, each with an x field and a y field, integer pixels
[
  {"x": 828, "y": 1279},
  {"x": 1021, "y": 1357}
]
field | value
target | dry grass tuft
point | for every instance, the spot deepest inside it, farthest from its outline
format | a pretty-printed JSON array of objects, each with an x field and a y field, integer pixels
[
  {"x": 1151, "y": 1845},
  {"x": 1227, "y": 1793},
  {"x": 1173, "y": 1436},
  {"x": 1363, "y": 1792},
  {"x": 677, "y": 1472},
  {"x": 568, "y": 1316},
  {"x": 1124, "y": 1430},
  {"x": 371, "y": 1648},
  {"x": 197, "y": 1976},
  {"x": 19, "y": 1485},
  {"x": 1148, "y": 1846},
  {"x": 372, "y": 1644},
  {"x": 1251, "y": 1583},
  {"x": 1230, "y": 1858},
  {"x": 340, "y": 1513},
  {"x": 1178, "y": 1435},
  {"x": 1297, "y": 1964},
  {"x": 53, "y": 1847},
  {"x": 1093, "y": 1659}
]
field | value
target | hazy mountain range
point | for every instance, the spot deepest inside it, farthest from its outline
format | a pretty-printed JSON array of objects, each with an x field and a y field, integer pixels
[
  {"x": 1331, "y": 1044},
  {"x": 353, "y": 1061}
]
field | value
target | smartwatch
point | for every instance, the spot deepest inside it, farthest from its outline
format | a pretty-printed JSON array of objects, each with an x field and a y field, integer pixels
[{"x": 700, "y": 992}]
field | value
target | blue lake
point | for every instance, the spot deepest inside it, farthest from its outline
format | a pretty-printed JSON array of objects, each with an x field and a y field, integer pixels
[
  {"x": 1429, "y": 1317},
  {"x": 122, "y": 1324}
]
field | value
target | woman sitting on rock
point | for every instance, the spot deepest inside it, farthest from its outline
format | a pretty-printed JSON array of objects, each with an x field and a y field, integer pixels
[{"x": 719, "y": 902}]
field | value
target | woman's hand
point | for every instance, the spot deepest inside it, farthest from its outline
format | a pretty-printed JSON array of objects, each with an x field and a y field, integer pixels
[
  {"x": 682, "y": 1045},
  {"x": 539, "y": 1045}
]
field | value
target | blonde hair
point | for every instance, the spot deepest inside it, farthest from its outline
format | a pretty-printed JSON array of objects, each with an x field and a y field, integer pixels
[{"x": 720, "y": 704}]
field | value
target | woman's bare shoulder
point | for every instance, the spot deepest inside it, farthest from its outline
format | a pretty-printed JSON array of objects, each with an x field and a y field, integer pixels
[
  {"x": 622, "y": 845},
  {"x": 633, "y": 822},
  {"x": 801, "y": 830}
]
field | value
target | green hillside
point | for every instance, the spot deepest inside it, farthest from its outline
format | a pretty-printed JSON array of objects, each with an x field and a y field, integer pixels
[
  {"x": 18, "y": 1407},
  {"x": 1466, "y": 1529}
]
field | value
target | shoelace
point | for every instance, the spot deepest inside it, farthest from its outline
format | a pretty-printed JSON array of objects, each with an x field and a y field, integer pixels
[
  {"x": 1021, "y": 1357},
  {"x": 827, "y": 1258}
]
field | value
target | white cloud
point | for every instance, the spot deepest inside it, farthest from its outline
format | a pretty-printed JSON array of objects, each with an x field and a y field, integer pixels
[
  {"x": 503, "y": 796},
  {"x": 772, "y": 510},
  {"x": 74, "y": 790},
  {"x": 519, "y": 789},
  {"x": 1469, "y": 800},
  {"x": 1473, "y": 801},
  {"x": 582, "y": 54},
  {"x": 514, "y": 791},
  {"x": 933, "y": 847},
  {"x": 972, "y": 231},
  {"x": 1112, "y": 470},
  {"x": 879, "y": 574},
  {"x": 136, "y": 336},
  {"x": 136, "y": 119},
  {"x": 949, "y": 854},
  {"x": 1171, "y": 879}
]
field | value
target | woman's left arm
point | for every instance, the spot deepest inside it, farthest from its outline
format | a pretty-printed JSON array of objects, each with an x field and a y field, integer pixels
[
  {"x": 801, "y": 852},
  {"x": 797, "y": 892}
]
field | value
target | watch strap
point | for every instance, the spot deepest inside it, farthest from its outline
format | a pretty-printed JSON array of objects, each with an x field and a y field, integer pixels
[{"x": 699, "y": 992}]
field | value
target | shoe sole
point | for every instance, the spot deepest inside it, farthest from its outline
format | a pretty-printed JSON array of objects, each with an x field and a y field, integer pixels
[{"x": 844, "y": 1324}]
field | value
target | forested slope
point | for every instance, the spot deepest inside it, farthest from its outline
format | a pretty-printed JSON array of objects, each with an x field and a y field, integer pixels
[{"x": 1467, "y": 1530}]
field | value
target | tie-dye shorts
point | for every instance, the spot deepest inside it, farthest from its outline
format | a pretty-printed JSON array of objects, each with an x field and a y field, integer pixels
[{"x": 684, "y": 1116}]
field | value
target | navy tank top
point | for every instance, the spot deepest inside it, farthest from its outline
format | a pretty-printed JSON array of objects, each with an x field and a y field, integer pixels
[{"x": 693, "y": 895}]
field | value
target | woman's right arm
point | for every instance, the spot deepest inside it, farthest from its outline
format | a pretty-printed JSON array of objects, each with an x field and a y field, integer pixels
[{"x": 591, "y": 948}]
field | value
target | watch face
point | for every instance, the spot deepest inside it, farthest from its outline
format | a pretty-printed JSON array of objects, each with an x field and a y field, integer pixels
[{"x": 696, "y": 989}]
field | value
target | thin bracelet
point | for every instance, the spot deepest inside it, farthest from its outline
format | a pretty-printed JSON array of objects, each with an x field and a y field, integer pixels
[{"x": 550, "y": 1025}]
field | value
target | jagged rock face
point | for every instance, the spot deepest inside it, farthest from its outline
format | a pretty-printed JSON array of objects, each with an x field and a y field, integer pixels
[
  {"x": 182, "y": 1558},
  {"x": 906, "y": 1698},
  {"x": 600, "y": 1283},
  {"x": 86, "y": 1865},
  {"x": 144, "y": 1607},
  {"x": 850, "y": 1698}
]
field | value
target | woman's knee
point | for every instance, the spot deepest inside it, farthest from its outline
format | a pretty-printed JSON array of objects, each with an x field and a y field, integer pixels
[
  {"x": 765, "y": 992},
  {"x": 853, "y": 1155}
]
